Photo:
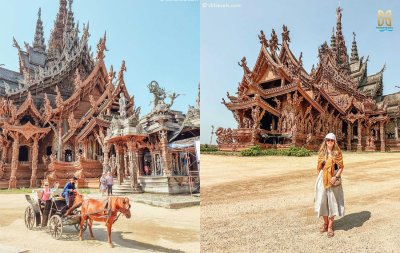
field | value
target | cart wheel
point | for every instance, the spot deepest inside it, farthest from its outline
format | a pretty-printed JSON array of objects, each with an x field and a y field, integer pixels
[
  {"x": 29, "y": 217},
  {"x": 55, "y": 226},
  {"x": 78, "y": 226}
]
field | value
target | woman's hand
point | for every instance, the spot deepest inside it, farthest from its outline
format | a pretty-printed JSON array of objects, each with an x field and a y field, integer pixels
[{"x": 333, "y": 180}]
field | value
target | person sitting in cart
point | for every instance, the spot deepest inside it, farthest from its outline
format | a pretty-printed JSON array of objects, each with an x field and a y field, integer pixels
[
  {"x": 46, "y": 192},
  {"x": 69, "y": 190}
]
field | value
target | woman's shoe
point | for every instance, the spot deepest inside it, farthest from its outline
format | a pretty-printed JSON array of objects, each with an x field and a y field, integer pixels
[
  {"x": 330, "y": 232},
  {"x": 324, "y": 228}
]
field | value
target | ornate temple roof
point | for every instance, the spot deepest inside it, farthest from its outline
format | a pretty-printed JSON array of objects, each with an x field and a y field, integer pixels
[
  {"x": 337, "y": 76},
  {"x": 40, "y": 69}
]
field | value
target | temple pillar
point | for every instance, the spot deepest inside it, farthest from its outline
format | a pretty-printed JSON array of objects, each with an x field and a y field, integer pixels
[
  {"x": 134, "y": 168},
  {"x": 359, "y": 129},
  {"x": 120, "y": 163},
  {"x": 84, "y": 146},
  {"x": 165, "y": 156},
  {"x": 35, "y": 152},
  {"x": 14, "y": 161},
  {"x": 382, "y": 133},
  {"x": 59, "y": 148},
  {"x": 140, "y": 162},
  {"x": 396, "y": 130},
  {"x": 127, "y": 172},
  {"x": 349, "y": 128},
  {"x": 4, "y": 153},
  {"x": 106, "y": 152}
]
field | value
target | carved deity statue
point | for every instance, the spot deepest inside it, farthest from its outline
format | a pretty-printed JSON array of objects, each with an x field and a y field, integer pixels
[
  {"x": 122, "y": 105},
  {"x": 158, "y": 93}
]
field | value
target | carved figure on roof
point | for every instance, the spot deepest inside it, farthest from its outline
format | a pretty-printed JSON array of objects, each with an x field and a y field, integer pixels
[
  {"x": 111, "y": 73},
  {"x": 122, "y": 105},
  {"x": 243, "y": 64},
  {"x": 158, "y": 92},
  {"x": 121, "y": 71},
  {"x": 172, "y": 96},
  {"x": 273, "y": 42},
  {"x": 285, "y": 34},
  {"x": 101, "y": 46},
  {"x": 262, "y": 38}
]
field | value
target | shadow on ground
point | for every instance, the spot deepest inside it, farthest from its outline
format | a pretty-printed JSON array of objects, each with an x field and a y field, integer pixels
[
  {"x": 351, "y": 221},
  {"x": 118, "y": 239}
]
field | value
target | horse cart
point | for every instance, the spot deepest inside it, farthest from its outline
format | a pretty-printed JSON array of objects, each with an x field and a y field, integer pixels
[{"x": 51, "y": 214}]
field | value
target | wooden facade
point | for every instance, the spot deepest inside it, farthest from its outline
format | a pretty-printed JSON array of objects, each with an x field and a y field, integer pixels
[
  {"x": 279, "y": 103},
  {"x": 61, "y": 114}
]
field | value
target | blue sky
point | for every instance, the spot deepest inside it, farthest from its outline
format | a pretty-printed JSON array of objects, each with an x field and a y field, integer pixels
[
  {"x": 159, "y": 40},
  {"x": 229, "y": 32}
]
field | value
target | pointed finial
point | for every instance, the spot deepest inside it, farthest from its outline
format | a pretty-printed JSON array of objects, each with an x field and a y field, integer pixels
[
  {"x": 121, "y": 71},
  {"x": 262, "y": 39},
  {"x": 273, "y": 42},
  {"x": 354, "y": 50},
  {"x": 38, "y": 41},
  {"x": 285, "y": 34}
]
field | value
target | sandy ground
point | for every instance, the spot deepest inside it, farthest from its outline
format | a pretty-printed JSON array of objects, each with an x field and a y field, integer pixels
[
  {"x": 265, "y": 204},
  {"x": 150, "y": 229}
]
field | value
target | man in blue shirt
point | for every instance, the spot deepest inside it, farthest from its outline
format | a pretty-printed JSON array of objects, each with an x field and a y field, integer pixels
[{"x": 69, "y": 189}]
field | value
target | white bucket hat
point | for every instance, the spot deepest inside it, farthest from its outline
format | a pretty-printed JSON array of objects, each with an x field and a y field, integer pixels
[{"x": 331, "y": 136}]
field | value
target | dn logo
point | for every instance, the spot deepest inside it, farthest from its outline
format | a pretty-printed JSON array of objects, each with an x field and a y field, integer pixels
[{"x": 385, "y": 18}]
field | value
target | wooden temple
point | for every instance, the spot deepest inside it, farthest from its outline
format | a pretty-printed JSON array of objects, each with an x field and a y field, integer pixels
[
  {"x": 278, "y": 103},
  {"x": 64, "y": 114}
]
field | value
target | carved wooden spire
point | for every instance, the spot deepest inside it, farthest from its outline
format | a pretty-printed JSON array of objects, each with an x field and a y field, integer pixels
[
  {"x": 354, "y": 51},
  {"x": 56, "y": 38},
  {"x": 333, "y": 40},
  {"x": 69, "y": 26},
  {"x": 38, "y": 42},
  {"x": 341, "y": 50}
]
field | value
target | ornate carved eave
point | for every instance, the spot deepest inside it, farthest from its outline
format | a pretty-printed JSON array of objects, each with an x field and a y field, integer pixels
[
  {"x": 251, "y": 103},
  {"x": 90, "y": 126},
  {"x": 330, "y": 100},
  {"x": 28, "y": 107},
  {"x": 28, "y": 130}
]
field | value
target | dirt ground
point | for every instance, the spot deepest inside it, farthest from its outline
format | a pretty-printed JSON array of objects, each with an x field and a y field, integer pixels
[
  {"x": 150, "y": 229},
  {"x": 265, "y": 204}
]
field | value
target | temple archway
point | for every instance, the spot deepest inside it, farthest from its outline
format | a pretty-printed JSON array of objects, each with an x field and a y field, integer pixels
[
  {"x": 23, "y": 154},
  {"x": 147, "y": 162}
]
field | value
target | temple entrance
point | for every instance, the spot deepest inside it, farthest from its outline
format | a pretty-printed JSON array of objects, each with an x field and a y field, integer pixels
[
  {"x": 68, "y": 155},
  {"x": 268, "y": 122},
  {"x": 23, "y": 154},
  {"x": 49, "y": 151},
  {"x": 147, "y": 166}
]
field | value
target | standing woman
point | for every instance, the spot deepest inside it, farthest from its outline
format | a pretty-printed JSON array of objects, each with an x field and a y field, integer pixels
[
  {"x": 103, "y": 184},
  {"x": 329, "y": 200}
]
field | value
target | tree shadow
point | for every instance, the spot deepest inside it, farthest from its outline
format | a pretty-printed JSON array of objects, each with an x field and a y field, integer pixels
[
  {"x": 351, "y": 221},
  {"x": 100, "y": 235}
]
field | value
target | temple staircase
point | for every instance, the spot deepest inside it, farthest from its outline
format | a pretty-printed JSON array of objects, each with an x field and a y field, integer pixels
[{"x": 125, "y": 188}]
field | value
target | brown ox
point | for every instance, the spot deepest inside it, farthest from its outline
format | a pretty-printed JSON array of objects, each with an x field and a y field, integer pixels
[{"x": 94, "y": 210}]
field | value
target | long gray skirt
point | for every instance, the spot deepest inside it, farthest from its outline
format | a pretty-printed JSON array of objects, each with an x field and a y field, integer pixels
[{"x": 328, "y": 202}]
